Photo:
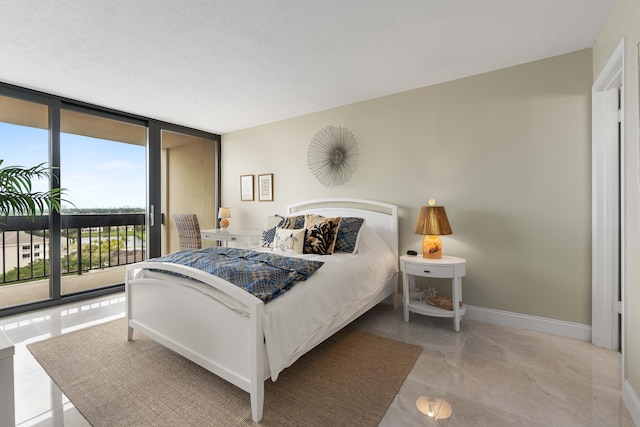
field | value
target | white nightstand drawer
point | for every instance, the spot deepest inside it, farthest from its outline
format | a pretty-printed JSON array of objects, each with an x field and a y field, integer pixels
[
  {"x": 429, "y": 270},
  {"x": 248, "y": 237}
]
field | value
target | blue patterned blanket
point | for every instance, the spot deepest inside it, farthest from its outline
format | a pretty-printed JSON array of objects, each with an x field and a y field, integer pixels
[{"x": 264, "y": 275}]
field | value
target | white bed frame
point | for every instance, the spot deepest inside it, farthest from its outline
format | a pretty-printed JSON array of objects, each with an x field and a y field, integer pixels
[{"x": 221, "y": 340}]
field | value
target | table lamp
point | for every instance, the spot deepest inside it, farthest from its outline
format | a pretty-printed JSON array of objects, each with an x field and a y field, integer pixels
[
  {"x": 432, "y": 222},
  {"x": 224, "y": 214}
]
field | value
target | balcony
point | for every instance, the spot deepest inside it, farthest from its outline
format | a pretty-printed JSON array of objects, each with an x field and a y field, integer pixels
[{"x": 93, "y": 252}]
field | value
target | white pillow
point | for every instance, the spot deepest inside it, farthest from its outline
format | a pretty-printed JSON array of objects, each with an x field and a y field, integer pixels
[
  {"x": 268, "y": 233},
  {"x": 287, "y": 240}
]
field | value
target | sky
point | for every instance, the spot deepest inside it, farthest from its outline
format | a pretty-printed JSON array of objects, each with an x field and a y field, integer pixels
[{"x": 95, "y": 172}]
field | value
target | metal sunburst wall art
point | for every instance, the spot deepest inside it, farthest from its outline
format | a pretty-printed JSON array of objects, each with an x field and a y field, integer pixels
[{"x": 333, "y": 155}]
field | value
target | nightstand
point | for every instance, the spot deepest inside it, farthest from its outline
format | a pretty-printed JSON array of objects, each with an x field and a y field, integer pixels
[
  {"x": 446, "y": 267},
  {"x": 248, "y": 237}
]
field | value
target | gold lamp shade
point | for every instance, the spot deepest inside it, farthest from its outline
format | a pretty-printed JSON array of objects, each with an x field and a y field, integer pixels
[{"x": 432, "y": 222}]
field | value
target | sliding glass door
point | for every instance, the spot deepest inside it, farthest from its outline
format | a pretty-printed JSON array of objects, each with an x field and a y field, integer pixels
[{"x": 189, "y": 176}]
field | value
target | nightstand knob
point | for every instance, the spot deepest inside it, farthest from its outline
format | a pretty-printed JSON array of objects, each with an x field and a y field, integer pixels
[{"x": 427, "y": 271}]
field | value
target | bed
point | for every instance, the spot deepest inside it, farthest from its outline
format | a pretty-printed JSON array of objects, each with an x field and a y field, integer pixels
[{"x": 238, "y": 337}]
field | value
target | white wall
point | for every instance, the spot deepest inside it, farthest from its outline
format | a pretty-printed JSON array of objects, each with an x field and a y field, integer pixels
[
  {"x": 507, "y": 153},
  {"x": 623, "y": 23}
]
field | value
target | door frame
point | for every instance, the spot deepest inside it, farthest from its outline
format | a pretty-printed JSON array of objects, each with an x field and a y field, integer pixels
[
  {"x": 155, "y": 215},
  {"x": 608, "y": 207}
]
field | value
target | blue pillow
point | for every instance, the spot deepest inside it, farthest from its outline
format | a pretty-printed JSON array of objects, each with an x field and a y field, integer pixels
[
  {"x": 348, "y": 234},
  {"x": 293, "y": 222}
]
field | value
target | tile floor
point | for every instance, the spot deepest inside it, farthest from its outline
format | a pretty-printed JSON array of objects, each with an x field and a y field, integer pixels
[{"x": 490, "y": 375}]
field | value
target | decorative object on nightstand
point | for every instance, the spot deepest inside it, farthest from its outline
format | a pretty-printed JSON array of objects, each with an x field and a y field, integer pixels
[
  {"x": 432, "y": 222},
  {"x": 440, "y": 301},
  {"x": 417, "y": 295},
  {"x": 224, "y": 214},
  {"x": 445, "y": 267}
]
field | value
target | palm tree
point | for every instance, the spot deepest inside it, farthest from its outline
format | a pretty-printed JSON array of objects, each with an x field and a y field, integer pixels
[{"x": 17, "y": 196}]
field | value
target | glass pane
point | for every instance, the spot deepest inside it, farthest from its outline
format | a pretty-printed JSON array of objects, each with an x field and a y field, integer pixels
[
  {"x": 188, "y": 183},
  {"x": 103, "y": 169},
  {"x": 24, "y": 250}
]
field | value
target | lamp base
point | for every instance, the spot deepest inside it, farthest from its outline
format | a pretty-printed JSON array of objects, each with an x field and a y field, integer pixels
[
  {"x": 224, "y": 223},
  {"x": 432, "y": 247}
]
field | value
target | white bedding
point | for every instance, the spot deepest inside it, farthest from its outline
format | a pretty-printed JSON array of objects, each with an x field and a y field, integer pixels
[{"x": 296, "y": 321}]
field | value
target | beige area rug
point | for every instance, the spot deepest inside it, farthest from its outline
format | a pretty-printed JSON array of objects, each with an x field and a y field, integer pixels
[{"x": 351, "y": 379}]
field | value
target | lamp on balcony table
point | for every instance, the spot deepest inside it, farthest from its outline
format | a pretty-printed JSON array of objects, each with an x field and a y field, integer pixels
[
  {"x": 224, "y": 214},
  {"x": 432, "y": 223}
]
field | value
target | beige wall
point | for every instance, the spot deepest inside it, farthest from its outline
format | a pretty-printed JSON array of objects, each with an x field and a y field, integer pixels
[
  {"x": 507, "y": 153},
  {"x": 189, "y": 183},
  {"x": 623, "y": 23}
]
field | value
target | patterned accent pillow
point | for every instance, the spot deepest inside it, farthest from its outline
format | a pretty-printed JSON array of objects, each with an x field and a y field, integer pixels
[
  {"x": 321, "y": 234},
  {"x": 348, "y": 235},
  {"x": 293, "y": 222},
  {"x": 288, "y": 240},
  {"x": 269, "y": 231}
]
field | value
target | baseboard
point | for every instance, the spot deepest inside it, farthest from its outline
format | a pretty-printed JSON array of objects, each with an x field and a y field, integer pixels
[
  {"x": 632, "y": 401},
  {"x": 534, "y": 323}
]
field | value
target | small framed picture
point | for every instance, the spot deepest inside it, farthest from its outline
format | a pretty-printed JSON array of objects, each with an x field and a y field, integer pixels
[
  {"x": 265, "y": 185},
  {"x": 246, "y": 188}
]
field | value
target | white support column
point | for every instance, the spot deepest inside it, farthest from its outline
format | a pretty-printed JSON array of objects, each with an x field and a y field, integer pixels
[{"x": 608, "y": 220}]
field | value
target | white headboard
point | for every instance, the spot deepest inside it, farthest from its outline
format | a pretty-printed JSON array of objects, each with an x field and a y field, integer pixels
[{"x": 381, "y": 217}]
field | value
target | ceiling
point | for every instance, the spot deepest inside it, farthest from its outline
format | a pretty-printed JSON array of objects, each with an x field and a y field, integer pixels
[{"x": 226, "y": 65}]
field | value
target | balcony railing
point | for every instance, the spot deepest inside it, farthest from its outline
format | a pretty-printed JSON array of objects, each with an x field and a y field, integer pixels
[{"x": 88, "y": 242}]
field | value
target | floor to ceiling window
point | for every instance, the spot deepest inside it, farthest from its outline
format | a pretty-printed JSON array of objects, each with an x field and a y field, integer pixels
[
  {"x": 24, "y": 251},
  {"x": 112, "y": 166},
  {"x": 103, "y": 171}
]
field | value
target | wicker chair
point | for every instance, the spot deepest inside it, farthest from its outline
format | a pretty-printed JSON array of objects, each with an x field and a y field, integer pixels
[{"x": 188, "y": 231}]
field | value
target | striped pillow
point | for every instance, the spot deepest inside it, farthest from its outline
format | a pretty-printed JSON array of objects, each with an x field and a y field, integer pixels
[{"x": 293, "y": 222}]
